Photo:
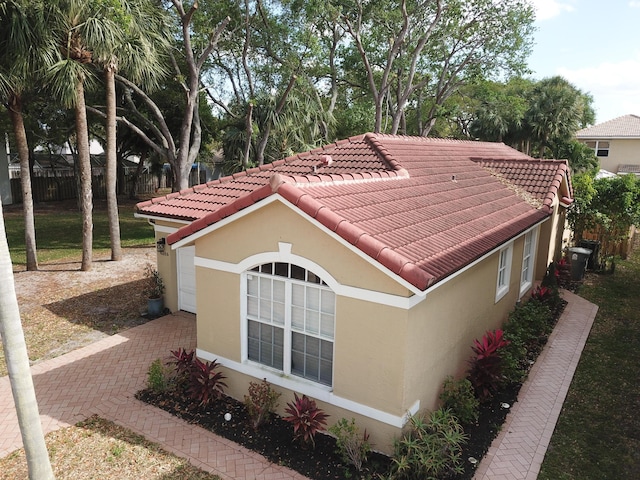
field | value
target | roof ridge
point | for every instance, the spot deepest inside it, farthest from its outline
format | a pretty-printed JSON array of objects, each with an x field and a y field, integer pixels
[{"x": 385, "y": 155}]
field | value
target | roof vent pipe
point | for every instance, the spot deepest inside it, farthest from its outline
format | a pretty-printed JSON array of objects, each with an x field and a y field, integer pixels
[{"x": 325, "y": 161}]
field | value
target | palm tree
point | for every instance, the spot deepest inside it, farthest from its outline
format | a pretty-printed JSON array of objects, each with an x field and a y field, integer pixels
[
  {"x": 82, "y": 31},
  {"x": 138, "y": 42},
  {"x": 556, "y": 111},
  {"x": 22, "y": 51},
  {"x": 15, "y": 352}
]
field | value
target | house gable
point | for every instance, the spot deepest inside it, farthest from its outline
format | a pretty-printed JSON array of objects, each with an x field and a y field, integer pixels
[
  {"x": 280, "y": 224},
  {"x": 616, "y": 143}
]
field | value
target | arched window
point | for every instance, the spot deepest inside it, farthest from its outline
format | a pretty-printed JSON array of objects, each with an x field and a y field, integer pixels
[{"x": 290, "y": 321}]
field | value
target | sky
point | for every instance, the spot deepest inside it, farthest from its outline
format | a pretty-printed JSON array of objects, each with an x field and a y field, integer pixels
[{"x": 595, "y": 45}]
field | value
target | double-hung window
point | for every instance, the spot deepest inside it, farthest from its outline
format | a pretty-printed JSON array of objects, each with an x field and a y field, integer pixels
[
  {"x": 504, "y": 272},
  {"x": 291, "y": 321},
  {"x": 528, "y": 255},
  {"x": 600, "y": 147}
]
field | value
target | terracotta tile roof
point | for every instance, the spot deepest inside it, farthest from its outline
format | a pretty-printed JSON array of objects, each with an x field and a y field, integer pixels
[
  {"x": 540, "y": 180},
  {"x": 422, "y": 207},
  {"x": 627, "y": 126}
]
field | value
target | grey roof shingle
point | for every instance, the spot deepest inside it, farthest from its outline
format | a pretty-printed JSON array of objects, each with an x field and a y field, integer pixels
[{"x": 627, "y": 126}]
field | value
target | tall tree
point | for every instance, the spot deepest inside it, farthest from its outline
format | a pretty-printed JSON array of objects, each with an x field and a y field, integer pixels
[
  {"x": 82, "y": 30},
  {"x": 181, "y": 150},
  {"x": 22, "y": 52},
  {"x": 557, "y": 109},
  {"x": 420, "y": 52},
  {"x": 139, "y": 39},
  {"x": 15, "y": 351}
]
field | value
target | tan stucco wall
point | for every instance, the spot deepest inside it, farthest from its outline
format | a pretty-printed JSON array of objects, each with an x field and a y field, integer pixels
[
  {"x": 167, "y": 267},
  {"x": 375, "y": 362},
  {"x": 442, "y": 329},
  {"x": 264, "y": 229},
  {"x": 384, "y": 357},
  {"x": 621, "y": 152}
]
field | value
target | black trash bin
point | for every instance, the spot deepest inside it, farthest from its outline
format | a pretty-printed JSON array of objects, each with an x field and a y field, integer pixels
[
  {"x": 594, "y": 258},
  {"x": 579, "y": 257}
]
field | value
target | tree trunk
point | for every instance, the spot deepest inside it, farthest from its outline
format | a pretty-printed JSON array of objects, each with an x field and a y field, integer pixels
[
  {"x": 136, "y": 177},
  {"x": 84, "y": 169},
  {"x": 15, "y": 113},
  {"x": 15, "y": 351},
  {"x": 112, "y": 165}
]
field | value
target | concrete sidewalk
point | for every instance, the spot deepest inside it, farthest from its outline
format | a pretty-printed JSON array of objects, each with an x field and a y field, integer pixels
[{"x": 103, "y": 378}]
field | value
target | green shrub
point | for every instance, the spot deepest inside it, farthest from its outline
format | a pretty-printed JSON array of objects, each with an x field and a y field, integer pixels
[
  {"x": 526, "y": 330},
  {"x": 458, "y": 396},
  {"x": 158, "y": 376},
  {"x": 352, "y": 447},
  {"x": 430, "y": 449},
  {"x": 261, "y": 402}
]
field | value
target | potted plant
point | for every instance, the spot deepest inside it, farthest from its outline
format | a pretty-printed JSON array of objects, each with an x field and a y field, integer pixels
[{"x": 154, "y": 289}]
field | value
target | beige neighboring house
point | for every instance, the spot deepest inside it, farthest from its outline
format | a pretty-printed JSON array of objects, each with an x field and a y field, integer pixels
[
  {"x": 360, "y": 273},
  {"x": 616, "y": 143}
]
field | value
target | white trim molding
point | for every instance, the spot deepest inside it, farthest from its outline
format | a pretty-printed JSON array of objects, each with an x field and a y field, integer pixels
[
  {"x": 285, "y": 256},
  {"x": 527, "y": 283},
  {"x": 317, "y": 391},
  {"x": 164, "y": 229}
]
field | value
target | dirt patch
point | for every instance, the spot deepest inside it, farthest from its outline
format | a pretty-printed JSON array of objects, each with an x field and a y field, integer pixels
[{"x": 63, "y": 308}]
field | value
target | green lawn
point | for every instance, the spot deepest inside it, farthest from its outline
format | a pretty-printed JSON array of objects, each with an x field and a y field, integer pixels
[
  {"x": 59, "y": 231},
  {"x": 598, "y": 433}
]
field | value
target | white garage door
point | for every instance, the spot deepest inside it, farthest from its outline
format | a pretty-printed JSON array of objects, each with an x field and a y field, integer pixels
[{"x": 187, "y": 279}]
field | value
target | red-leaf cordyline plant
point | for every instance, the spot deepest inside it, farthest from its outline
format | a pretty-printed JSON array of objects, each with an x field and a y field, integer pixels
[
  {"x": 206, "y": 383},
  {"x": 486, "y": 369},
  {"x": 307, "y": 419},
  {"x": 541, "y": 293},
  {"x": 183, "y": 362}
]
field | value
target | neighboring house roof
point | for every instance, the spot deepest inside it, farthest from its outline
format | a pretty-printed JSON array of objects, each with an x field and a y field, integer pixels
[
  {"x": 627, "y": 126},
  {"x": 421, "y": 207},
  {"x": 629, "y": 169}
]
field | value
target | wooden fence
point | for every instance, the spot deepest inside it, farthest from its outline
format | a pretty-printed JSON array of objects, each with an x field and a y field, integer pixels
[
  {"x": 623, "y": 248},
  {"x": 65, "y": 187}
]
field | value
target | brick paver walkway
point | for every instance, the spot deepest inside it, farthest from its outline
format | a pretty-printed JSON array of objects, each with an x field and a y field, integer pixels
[
  {"x": 103, "y": 377},
  {"x": 518, "y": 451}
]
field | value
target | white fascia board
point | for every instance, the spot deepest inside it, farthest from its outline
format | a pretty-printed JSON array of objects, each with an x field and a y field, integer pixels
[
  {"x": 155, "y": 218},
  {"x": 164, "y": 229},
  {"x": 316, "y": 391},
  {"x": 278, "y": 198},
  {"x": 482, "y": 258}
]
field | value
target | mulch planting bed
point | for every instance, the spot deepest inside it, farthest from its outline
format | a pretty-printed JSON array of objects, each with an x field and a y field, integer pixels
[{"x": 275, "y": 442}]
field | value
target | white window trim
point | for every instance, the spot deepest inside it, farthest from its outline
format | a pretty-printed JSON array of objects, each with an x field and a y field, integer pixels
[
  {"x": 527, "y": 283},
  {"x": 503, "y": 288}
]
